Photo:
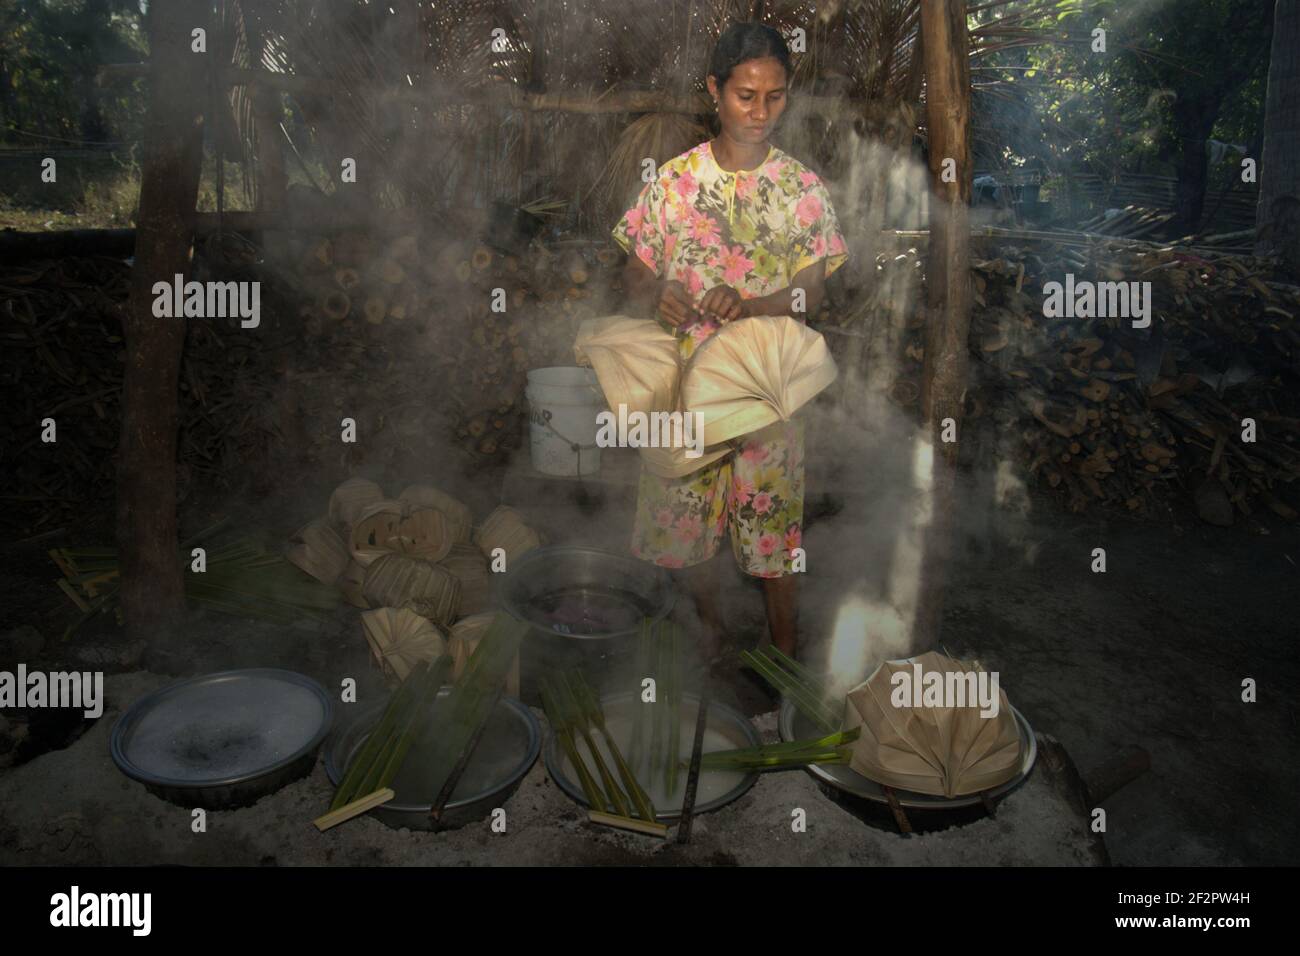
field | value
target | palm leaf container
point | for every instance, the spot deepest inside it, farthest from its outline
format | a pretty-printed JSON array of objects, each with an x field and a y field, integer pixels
[
  {"x": 351, "y": 583},
  {"x": 469, "y": 566},
  {"x": 504, "y": 528},
  {"x": 317, "y": 549},
  {"x": 375, "y": 531},
  {"x": 400, "y": 639},
  {"x": 351, "y": 498},
  {"x": 460, "y": 521},
  {"x": 396, "y": 580},
  {"x": 423, "y": 533}
]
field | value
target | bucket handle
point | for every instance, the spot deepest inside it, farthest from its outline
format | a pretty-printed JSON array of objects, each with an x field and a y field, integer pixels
[{"x": 575, "y": 447}]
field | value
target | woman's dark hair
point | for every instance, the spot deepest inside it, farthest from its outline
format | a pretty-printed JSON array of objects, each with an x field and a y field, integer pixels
[{"x": 748, "y": 40}]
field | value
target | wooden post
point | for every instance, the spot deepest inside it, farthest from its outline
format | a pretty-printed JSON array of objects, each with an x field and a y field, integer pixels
[
  {"x": 1279, "y": 167},
  {"x": 152, "y": 593},
  {"x": 948, "y": 296}
]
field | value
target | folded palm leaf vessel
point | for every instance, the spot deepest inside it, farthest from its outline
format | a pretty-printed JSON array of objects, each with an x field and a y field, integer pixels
[
  {"x": 749, "y": 374},
  {"x": 937, "y": 750}
]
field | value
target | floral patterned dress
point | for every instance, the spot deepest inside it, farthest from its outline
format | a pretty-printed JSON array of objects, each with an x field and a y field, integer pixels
[{"x": 753, "y": 230}]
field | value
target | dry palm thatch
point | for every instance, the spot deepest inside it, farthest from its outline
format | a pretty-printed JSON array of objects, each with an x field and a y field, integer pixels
[{"x": 402, "y": 85}]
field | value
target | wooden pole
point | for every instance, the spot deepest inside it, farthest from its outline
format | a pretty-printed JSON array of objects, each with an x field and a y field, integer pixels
[
  {"x": 152, "y": 585},
  {"x": 507, "y": 95},
  {"x": 948, "y": 295},
  {"x": 1279, "y": 167}
]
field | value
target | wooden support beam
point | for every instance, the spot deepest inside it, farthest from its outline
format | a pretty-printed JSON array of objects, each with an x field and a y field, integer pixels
[
  {"x": 948, "y": 293},
  {"x": 152, "y": 594},
  {"x": 505, "y": 94}
]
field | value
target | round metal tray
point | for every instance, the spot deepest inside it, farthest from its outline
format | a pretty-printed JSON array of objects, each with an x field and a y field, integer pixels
[
  {"x": 723, "y": 720},
  {"x": 506, "y": 751},
  {"x": 794, "y": 726},
  {"x": 223, "y": 740}
]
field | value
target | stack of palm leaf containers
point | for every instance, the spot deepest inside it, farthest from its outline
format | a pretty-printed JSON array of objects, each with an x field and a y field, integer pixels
[{"x": 415, "y": 564}]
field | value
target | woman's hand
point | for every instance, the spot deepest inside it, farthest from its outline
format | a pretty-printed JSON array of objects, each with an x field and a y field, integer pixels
[
  {"x": 724, "y": 302},
  {"x": 674, "y": 305}
]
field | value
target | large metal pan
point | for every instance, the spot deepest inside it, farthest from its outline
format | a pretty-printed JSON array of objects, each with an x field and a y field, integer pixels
[
  {"x": 223, "y": 740},
  {"x": 727, "y": 729},
  {"x": 505, "y": 752}
]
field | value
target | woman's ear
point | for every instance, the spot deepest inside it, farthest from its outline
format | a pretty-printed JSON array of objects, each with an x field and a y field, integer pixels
[{"x": 712, "y": 83}]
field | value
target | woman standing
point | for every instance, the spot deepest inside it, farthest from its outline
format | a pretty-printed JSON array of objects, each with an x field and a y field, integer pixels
[{"x": 731, "y": 229}]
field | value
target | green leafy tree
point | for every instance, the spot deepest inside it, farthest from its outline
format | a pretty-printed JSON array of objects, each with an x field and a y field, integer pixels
[
  {"x": 1173, "y": 75},
  {"x": 50, "y": 52}
]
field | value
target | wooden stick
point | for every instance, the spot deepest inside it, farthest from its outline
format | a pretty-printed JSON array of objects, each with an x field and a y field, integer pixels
[
  {"x": 76, "y": 598},
  {"x": 627, "y": 823},
  {"x": 353, "y": 809},
  {"x": 900, "y": 815},
  {"x": 693, "y": 774},
  {"x": 462, "y": 761}
]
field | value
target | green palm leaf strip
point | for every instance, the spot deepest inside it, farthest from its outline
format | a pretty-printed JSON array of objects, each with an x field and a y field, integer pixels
[
  {"x": 458, "y": 715},
  {"x": 560, "y": 727},
  {"x": 590, "y": 704},
  {"x": 578, "y": 718},
  {"x": 807, "y": 696},
  {"x": 832, "y": 749},
  {"x": 398, "y": 702}
]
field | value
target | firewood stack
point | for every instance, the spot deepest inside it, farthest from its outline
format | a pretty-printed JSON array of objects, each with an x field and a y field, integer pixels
[
  {"x": 546, "y": 293},
  {"x": 1105, "y": 413},
  {"x": 62, "y": 358}
]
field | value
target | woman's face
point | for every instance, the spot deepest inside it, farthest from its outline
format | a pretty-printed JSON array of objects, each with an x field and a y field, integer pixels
[{"x": 752, "y": 100}]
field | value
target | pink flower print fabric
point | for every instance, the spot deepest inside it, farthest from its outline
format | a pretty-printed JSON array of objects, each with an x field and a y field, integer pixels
[
  {"x": 755, "y": 496},
  {"x": 753, "y": 230}
]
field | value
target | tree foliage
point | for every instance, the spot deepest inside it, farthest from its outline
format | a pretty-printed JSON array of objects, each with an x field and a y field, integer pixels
[
  {"x": 1168, "y": 66},
  {"x": 50, "y": 51}
]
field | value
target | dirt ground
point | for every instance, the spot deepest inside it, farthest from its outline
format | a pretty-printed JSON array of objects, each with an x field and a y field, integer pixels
[
  {"x": 72, "y": 806},
  {"x": 1150, "y": 654}
]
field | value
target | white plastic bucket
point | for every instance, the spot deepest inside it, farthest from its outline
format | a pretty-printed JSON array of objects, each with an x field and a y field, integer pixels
[{"x": 563, "y": 402}]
